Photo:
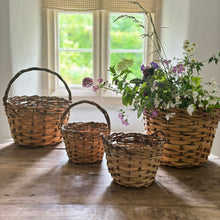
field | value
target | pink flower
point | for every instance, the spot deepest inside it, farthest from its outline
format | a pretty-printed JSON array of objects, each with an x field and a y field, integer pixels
[
  {"x": 154, "y": 114},
  {"x": 95, "y": 88},
  {"x": 166, "y": 62},
  {"x": 100, "y": 80},
  {"x": 179, "y": 68},
  {"x": 87, "y": 82},
  {"x": 125, "y": 122},
  {"x": 120, "y": 115}
]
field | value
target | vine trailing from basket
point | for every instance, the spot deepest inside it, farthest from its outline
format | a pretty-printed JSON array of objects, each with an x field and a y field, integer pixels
[{"x": 165, "y": 84}]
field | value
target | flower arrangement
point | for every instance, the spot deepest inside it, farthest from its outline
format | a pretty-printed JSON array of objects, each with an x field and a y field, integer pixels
[{"x": 165, "y": 83}]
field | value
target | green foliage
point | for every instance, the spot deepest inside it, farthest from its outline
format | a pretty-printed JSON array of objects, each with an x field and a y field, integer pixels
[{"x": 76, "y": 32}]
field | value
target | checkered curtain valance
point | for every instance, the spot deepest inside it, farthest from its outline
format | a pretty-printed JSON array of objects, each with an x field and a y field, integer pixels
[{"x": 109, "y": 5}]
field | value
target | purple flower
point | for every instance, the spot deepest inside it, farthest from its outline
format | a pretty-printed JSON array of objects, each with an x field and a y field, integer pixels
[
  {"x": 125, "y": 122},
  {"x": 154, "y": 114},
  {"x": 87, "y": 82},
  {"x": 166, "y": 62},
  {"x": 154, "y": 65},
  {"x": 144, "y": 112},
  {"x": 95, "y": 88},
  {"x": 147, "y": 70},
  {"x": 100, "y": 80},
  {"x": 120, "y": 115},
  {"x": 143, "y": 68},
  {"x": 179, "y": 68}
]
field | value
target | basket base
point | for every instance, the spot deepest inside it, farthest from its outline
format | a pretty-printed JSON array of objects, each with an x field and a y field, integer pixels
[
  {"x": 136, "y": 185},
  {"x": 84, "y": 162}
]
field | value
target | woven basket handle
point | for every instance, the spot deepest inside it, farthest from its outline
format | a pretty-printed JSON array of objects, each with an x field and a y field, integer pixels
[
  {"x": 31, "y": 69},
  {"x": 88, "y": 102}
]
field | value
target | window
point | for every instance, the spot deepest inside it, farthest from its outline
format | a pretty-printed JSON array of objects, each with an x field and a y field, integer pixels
[
  {"x": 87, "y": 43},
  {"x": 75, "y": 46}
]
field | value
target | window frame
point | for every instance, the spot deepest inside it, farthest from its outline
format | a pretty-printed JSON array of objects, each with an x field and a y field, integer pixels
[{"x": 100, "y": 46}]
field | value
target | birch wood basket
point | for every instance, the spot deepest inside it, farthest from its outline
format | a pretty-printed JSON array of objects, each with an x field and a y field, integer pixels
[
  {"x": 34, "y": 120},
  {"x": 133, "y": 158},
  {"x": 82, "y": 139},
  {"x": 188, "y": 138}
]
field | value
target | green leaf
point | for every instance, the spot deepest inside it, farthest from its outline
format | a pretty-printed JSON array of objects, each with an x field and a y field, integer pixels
[
  {"x": 210, "y": 59},
  {"x": 120, "y": 85},
  {"x": 136, "y": 81},
  {"x": 139, "y": 112},
  {"x": 112, "y": 69}
]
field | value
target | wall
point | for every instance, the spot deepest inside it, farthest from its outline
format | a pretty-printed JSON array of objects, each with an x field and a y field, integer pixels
[
  {"x": 5, "y": 63},
  {"x": 25, "y": 39},
  {"x": 20, "y": 48},
  {"x": 199, "y": 21}
]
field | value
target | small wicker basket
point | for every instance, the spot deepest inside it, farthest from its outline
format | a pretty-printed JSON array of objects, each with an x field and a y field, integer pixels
[
  {"x": 82, "y": 140},
  {"x": 188, "y": 138},
  {"x": 133, "y": 158},
  {"x": 34, "y": 120}
]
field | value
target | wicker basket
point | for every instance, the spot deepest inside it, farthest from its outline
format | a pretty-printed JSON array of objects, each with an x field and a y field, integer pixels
[
  {"x": 82, "y": 140},
  {"x": 133, "y": 158},
  {"x": 34, "y": 119},
  {"x": 188, "y": 138}
]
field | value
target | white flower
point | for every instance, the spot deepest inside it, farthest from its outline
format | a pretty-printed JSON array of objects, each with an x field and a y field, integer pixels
[
  {"x": 178, "y": 101},
  {"x": 157, "y": 102},
  {"x": 170, "y": 105},
  {"x": 212, "y": 102},
  {"x": 200, "y": 105},
  {"x": 195, "y": 94},
  {"x": 154, "y": 86},
  {"x": 170, "y": 115},
  {"x": 191, "y": 109}
]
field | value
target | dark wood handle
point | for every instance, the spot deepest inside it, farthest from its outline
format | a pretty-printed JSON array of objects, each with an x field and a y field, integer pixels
[
  {"x": 88, "y": 102},
  {"x": 32, "y": 69}
]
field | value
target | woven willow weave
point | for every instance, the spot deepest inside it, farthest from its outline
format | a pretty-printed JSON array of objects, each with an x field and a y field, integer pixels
[
  {"x": 188, "y": 138},
  {"x": 133, "y": 158},
  {"x": 109, "y": 5},
  {"x": 82, "y": 140},
  {"x": 34, "y": 120}
]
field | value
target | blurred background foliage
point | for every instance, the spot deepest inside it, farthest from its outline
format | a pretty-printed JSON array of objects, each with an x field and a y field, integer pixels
[{"x": 76, "y": 42}]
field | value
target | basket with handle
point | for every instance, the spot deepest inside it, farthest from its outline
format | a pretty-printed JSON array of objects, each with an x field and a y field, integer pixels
[
  {"x": 82, "y": 139},
  {"x": 133, "y": 158},
  {"x": 34, "y": 120}
]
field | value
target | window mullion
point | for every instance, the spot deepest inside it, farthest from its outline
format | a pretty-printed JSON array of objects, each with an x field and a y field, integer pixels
[{"x": 105, "y": 36}]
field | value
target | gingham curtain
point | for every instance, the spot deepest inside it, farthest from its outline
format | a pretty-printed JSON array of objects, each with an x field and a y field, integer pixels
[{"x": 109, "y": 5}]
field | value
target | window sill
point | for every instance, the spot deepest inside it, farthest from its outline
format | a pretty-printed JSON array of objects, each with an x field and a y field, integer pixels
[{"x": 106, "y": 99}]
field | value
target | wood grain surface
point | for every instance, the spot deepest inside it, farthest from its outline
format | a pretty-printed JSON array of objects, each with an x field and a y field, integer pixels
[{"x": 40, "y": 183}]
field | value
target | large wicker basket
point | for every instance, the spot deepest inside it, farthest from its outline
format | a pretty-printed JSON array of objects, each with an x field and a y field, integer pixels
[
  {"x": 188, "y": 138},
  {"x": 34, "y": 120},
  {"x": 82, "y": 139},
  {"x": 133, "y": 158}
]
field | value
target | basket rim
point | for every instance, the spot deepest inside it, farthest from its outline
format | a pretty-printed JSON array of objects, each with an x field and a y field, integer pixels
[
  {"x": 156, "y": 143},
  {"x": 213, "y": 114},
  {"x": 65, "y": 129},
  {"x": 9, "y": 99}
]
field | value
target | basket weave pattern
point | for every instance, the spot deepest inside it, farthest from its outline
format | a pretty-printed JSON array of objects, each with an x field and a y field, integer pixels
[
  {"x": 82, "y": 140},
  {"x": 133, "y": 158},
  {"x": 188, "y": 138},
  {"x": 34, "y": 120}
]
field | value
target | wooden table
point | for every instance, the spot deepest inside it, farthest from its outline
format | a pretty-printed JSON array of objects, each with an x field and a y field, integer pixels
[{"x": 39, "y": 183}]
